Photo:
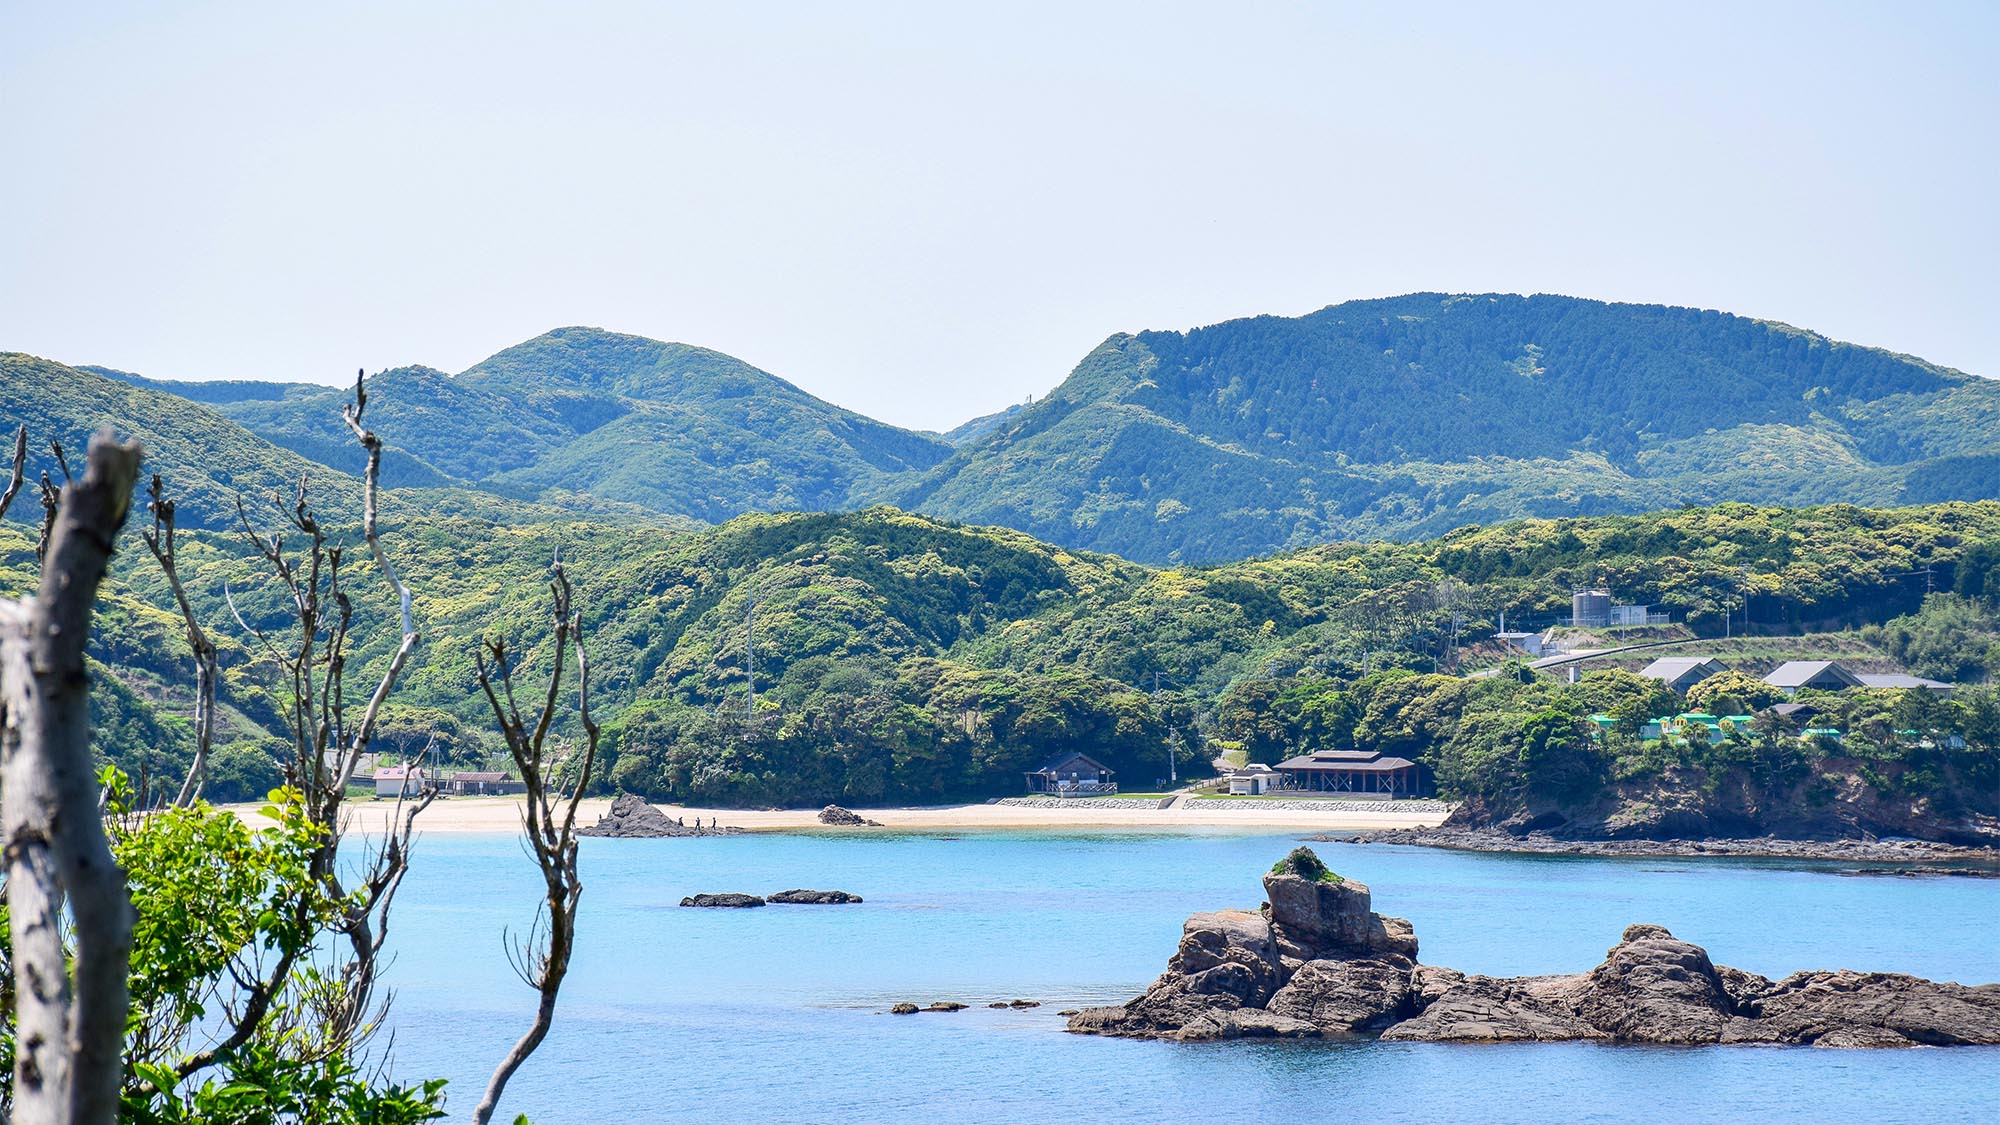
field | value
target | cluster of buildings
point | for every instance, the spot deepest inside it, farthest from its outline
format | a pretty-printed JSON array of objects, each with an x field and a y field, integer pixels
[
  {"x": 1683, "y": 672},
  {"x": 408, "y": 781}
]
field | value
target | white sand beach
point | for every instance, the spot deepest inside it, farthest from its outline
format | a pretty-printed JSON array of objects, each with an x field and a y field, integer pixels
[{"x": 503, "y": 815}]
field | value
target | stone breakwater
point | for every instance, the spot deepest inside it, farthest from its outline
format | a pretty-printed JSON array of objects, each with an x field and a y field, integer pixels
[
  {"x": 1316, "y": 804},
  {"x": 1086, "y": 802},
  {"x": 1317, "y": 962}
]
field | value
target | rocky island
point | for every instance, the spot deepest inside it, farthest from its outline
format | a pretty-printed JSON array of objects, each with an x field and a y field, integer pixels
[
  {"x": 1317, "y": 961},
  {"x": 632, "y": 818}
]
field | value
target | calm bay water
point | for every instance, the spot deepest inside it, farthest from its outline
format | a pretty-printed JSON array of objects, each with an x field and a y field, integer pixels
[{"x": 776, "y": 1015}]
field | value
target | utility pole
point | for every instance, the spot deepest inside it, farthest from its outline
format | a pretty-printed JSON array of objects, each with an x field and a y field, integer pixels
[{"x": 1173, "y": 774}]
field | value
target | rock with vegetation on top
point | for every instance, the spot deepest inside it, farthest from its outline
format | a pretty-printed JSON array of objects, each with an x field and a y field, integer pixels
[
  {"x": 1318, "y": 962},
  {"x": 811, "y": 898}
]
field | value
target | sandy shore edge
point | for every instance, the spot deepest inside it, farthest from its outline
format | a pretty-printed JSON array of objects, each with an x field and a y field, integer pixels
[{"x": 502, "y": 815}]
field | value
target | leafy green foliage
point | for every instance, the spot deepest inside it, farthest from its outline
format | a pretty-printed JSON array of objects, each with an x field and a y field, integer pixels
[
  {"x": 1952, "y": 638},
  {"x": 216, "y": 902},
  {"x": 1731, "y": 693},
  {"x": 1306, "y": 864}
]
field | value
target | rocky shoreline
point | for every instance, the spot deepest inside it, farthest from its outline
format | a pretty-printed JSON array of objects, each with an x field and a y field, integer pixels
[
  {"x": 1317, "y": 962},
  {"x": 1928, "y": 856}
]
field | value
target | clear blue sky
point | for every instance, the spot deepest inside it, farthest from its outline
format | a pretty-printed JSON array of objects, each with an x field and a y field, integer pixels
[{"x": 927, "y": 211}]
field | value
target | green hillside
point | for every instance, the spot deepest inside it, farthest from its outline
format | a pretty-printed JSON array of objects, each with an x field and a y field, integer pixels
[
  {"x": 669, "y": 428},
  {"x": 691, "y": 431},
  {"x": 904, "y": 658},
  {"x": 209, "y": 460},
  {"x": 1414, "y": 415}
]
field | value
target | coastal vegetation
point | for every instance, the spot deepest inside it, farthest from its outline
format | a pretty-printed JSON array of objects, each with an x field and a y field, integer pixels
[{"x": 900, "y": 658}]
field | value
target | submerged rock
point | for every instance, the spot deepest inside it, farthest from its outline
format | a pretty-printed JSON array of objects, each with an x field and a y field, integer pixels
[
  {"x": 632, "y": 818},
  {"x": 722, "y": 900},
  {"x": 904, "y": 1009},
  {"x": 842, "y": 818},
  {"x": 1317, "y": 961},
  {"x": 811, "y": 898}
]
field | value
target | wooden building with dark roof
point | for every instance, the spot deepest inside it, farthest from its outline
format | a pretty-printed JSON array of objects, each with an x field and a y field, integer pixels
[
  {"x": 1072, "y": 773},
  {"x": 1356, "y": 771}
]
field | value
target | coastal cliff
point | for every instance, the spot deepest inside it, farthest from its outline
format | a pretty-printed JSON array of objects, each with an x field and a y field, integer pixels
[{"x": 1317, "y": 962}]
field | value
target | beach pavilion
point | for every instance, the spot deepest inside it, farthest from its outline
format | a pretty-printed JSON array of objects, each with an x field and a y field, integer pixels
[{"x": 1355, "y": 771}]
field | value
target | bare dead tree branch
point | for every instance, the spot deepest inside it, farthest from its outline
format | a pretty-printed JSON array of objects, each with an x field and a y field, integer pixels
[
  {"x": 51, "y": 502},
  {"x": 327, "y": 748},
  {"x": 62, "y": 462},
  {"x": 550, "y": 815},
  {"x": 365, "y": 730},
  {"x": 20, "y": 470},
  {"x": 69, "y": 1021},
  {"x": 207, "y": 668}
]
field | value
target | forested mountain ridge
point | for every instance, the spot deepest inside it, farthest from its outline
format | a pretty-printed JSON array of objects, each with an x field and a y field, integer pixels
[
  {"x": 672, "y": 428},
  {"x": 1398, "y": 418},
  {"x": 1412, "y": 415},
  {"x": 210, "y": 460}
]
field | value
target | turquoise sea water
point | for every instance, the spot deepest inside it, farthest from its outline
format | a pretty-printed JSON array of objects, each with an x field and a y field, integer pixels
[{"x": 777, "y": 1015}]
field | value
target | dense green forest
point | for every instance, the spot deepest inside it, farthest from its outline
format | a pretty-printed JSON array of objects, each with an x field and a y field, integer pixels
[
  {"x": 1414, "y": 415},
  {"x": 901, "y": 658},
  {"x": 1398, "y": 418}
]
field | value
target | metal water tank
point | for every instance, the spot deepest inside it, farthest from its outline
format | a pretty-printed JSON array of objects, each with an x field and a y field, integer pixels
[{"x": 1590, "y": 609}]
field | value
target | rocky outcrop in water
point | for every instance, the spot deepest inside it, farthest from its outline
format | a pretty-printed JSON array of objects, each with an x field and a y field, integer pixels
[
  {"x": 1913, "y": 857},
  {"x": 722, "y": 900},
  {"x": 1318, "y": 962},
  {"x": 632, "y": 818},
  {"x": 811, "y": 898},
  {"x": 842, "y": 818}
]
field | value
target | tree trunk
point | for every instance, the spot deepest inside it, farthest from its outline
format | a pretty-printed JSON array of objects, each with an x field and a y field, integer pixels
[{"x": 69, "y": 1064}]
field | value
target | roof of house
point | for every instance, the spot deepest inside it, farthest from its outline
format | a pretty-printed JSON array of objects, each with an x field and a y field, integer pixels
[
  {"x": 1063, "y": 759},
  {"x": 1900, "y": 680},
  {"x": 1674, "y": 667},
  {"x": 1254, "y": 767},
  {"x": 1789, "y": 709},
  {"x": 397, "y": 773},
  {"x": 1798, "y": 673},
  {"x": 478, "y": 775},
  {"x": 1355, "y": 761}
]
